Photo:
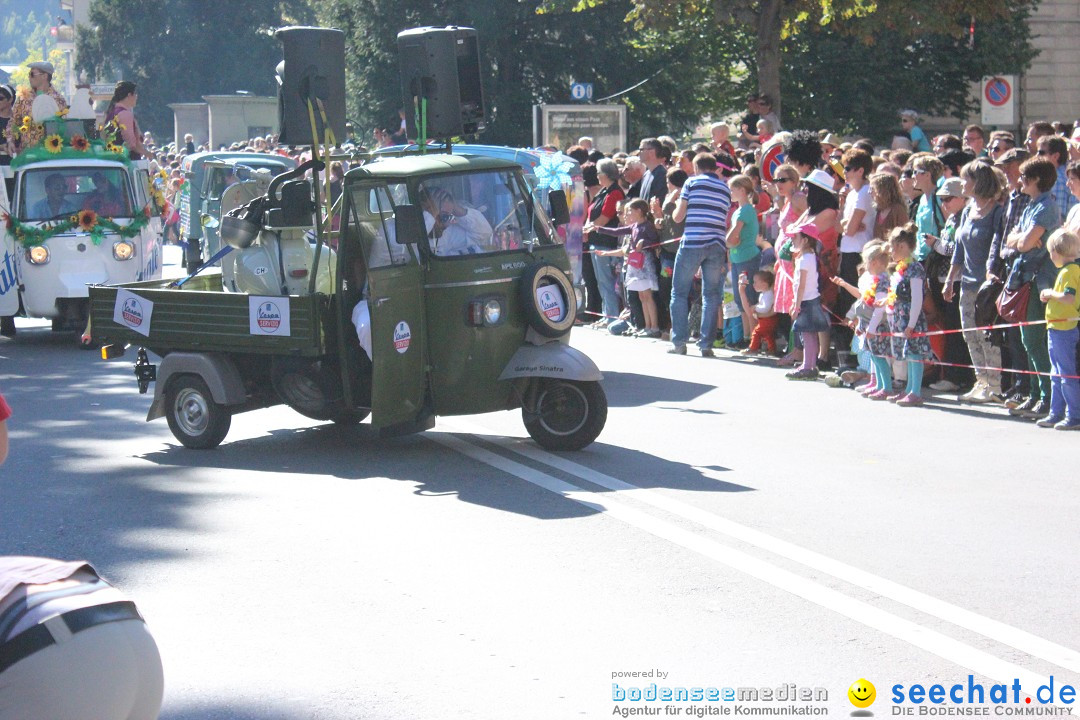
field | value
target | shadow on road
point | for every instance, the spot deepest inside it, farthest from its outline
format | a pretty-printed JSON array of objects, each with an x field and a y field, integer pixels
[
  {"x": 634, "y": 390},
  {"x": 231, "y": 711},
  {"x": 75, "y": 486},
  {"x": 69, "y": 488}
]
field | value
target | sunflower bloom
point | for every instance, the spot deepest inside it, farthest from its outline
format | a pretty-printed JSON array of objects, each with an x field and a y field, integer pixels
[
  {"x": 54, "y": 143},
  {"x": 87, "y": 220},
  {"x": 80, "y": 143}
]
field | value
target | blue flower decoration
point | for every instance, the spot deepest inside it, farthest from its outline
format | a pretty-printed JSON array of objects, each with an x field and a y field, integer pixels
[{"x": 553, "y": 173}]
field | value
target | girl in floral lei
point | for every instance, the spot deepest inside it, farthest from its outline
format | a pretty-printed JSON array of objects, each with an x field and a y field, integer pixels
[
  {"x": 23, "y": 132},
  {"x": 904, "y": 305}
]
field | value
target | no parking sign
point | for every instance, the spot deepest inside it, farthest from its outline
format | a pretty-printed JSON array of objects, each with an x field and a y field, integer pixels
[
  {"x": 999, "y": 100},
  {"x": 772, "y": 157}
]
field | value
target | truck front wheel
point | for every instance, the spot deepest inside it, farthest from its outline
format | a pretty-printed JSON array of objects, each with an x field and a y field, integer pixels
[
  {"x": 194, "y": 418},
  {"x": 567, "y": 414}
]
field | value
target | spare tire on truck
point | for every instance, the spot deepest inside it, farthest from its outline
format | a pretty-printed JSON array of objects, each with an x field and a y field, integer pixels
[{"x": 548, "y": 300}]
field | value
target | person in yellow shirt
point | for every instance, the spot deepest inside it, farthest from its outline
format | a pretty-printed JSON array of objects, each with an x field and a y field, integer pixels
[{"x": 1062, "y": 309}]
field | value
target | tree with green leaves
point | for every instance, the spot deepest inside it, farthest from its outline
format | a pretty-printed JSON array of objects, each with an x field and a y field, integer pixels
[
  {"x": 932, "y": 73},
  {"x": 529, "y": 58},
  {"x": 179, "y": 51},
  {"x": 769, "y": 22}
]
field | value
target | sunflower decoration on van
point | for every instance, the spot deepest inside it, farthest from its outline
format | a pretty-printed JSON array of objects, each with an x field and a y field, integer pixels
[
  {"x": 54, "y": 143},
  {"x": 80, "y": 143},
  {"x": 87, "y": 220}
]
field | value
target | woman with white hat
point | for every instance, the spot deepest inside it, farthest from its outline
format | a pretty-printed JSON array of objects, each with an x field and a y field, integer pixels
[{"x": 822, "y": 211}]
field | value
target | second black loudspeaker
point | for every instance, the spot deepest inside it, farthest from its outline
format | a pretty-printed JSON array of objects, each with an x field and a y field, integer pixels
[
  {"x": 442, "y": 64},
  {"x": 314, "y": 68}
]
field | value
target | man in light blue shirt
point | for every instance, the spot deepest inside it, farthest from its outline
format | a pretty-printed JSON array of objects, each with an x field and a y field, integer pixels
[
  {"x": 703, "y": 204},
  {"x": 1056, "y": 150}
]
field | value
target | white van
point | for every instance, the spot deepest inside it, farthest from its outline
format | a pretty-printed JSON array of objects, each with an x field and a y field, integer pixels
[{"x": 74, "y": 223}]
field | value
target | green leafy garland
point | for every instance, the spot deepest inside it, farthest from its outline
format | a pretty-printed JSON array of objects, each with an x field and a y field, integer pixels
[
  {"x": 64, "y": 145},
  {"x": 86, "y": 221}
]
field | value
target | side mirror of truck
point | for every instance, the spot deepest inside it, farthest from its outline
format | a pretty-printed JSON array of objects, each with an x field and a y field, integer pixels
[
  {"x": 560, "y": 211},
  {"x": 409, "y": 226}
]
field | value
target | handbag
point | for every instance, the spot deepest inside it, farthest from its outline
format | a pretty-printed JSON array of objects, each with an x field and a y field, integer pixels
[
  {"x": 986, "y": 302},
  {"x": 1012, "y": 304},
  {"x": 986, "y": 312},
  {"x": 636, "y": 259}
]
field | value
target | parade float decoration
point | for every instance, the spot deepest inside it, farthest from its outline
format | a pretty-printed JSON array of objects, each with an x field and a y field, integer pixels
[
  {"x": 85, "y": 221},
  {"x": 72, "y": 138}
]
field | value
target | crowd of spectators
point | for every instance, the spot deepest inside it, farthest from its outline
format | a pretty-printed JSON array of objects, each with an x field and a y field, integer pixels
[{"x": 881, "y": 268}]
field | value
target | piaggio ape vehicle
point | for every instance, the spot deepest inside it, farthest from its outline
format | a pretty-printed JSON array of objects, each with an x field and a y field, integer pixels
[
  {"x": 446, "y": 266},
  {"x": 80, "y": 214}
]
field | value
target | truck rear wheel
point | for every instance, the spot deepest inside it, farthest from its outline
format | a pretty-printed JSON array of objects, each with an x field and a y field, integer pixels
[
  {"x": 195, "y": 419},
  {"x": 567, "y": 414}
]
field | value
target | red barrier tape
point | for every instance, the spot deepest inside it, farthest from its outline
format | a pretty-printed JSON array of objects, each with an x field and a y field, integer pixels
[
  {"x": 1018, "y": 372},
  {"x": 931, "y": 333},
  {"x": 646, "y": 247}
]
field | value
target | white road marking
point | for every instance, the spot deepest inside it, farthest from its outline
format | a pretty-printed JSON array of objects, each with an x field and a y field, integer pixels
[
  {"x": 993, "y": 629},
  {"x": 932, "y": 641}
]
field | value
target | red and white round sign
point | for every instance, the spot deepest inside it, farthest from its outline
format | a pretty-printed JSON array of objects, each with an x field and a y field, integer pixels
[{"x": 402, "y": 337}]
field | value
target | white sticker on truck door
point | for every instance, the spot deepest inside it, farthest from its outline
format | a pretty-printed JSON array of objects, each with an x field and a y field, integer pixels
[
  {"x": 133, "y": 312},
  {"x": 269, "y": 316}
]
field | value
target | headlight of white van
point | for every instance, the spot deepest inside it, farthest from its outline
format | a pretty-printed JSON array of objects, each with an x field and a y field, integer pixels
[
  {"x": 38, "y": 255},
  {"x": 123, "y": 250}
]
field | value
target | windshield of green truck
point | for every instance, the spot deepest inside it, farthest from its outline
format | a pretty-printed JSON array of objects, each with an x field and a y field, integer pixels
[
  {"x": 480, "y": 213},
  {"x": 53, "y": 193}
]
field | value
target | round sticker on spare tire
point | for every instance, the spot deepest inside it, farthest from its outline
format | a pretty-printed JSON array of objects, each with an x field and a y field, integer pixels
[
  {"x": 550, "y": 299},
  {"x": 402, "y": 337},
  {"x": 547, "y": 298}
]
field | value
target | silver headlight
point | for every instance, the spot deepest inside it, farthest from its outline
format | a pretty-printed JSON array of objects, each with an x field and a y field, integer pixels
[
  {"x": 492, "y": 312},
  {"x": 123, "y": 250},
  {"x": 38, "y": 255}
]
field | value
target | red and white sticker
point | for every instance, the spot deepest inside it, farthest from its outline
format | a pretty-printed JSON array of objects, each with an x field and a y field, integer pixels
[
  {"x": 402, "y": 337},
  {"x": 269, "y": 316},
  {"x": 133, "y": 312},
  {"x": 551, "y": 302}
]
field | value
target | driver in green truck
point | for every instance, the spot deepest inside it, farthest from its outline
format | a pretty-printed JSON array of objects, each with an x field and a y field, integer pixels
[{"x": 453, "y": 229}]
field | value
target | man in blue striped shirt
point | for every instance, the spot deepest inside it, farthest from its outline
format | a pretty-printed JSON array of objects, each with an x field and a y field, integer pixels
[{"x": 704, "y": 204}]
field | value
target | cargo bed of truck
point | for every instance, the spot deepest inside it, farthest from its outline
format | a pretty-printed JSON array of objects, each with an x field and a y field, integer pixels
[{"x": 204, "y": 318}]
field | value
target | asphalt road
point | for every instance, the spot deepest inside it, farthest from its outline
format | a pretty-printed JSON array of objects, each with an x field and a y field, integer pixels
[{"x": 729, "y": 528}]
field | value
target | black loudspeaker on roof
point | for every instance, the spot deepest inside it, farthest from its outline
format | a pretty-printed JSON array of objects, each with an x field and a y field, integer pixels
[{"x": 442, "y": 65}]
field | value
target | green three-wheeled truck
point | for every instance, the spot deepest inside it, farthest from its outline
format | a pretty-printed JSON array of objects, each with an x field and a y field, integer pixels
[{"x": 448, "y": 293}]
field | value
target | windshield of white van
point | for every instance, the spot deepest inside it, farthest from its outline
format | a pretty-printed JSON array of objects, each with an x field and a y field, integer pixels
[
  {"x": 480, "y": 213},
  {"x": 53, "y": 193}
]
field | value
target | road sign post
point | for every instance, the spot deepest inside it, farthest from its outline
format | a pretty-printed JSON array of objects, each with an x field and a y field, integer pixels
[
  {"x": 999, "y": 100},
  {"x": 581, "y": 92}
]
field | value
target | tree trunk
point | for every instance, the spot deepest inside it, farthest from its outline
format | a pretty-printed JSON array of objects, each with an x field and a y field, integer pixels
[{"x": 769, "y": 25}]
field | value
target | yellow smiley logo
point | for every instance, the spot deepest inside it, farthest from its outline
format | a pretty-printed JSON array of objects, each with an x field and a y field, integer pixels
[{"x": 862, "y": 693}]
